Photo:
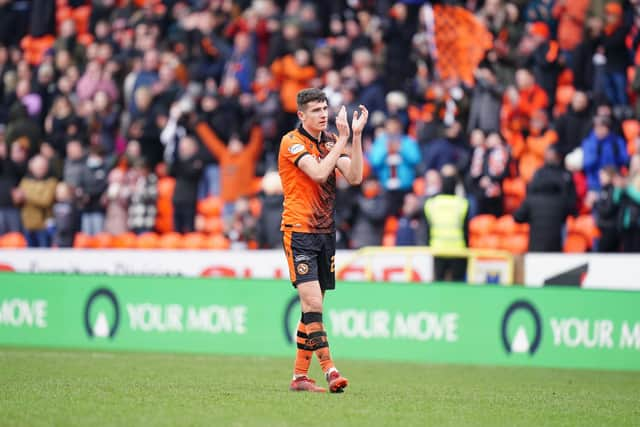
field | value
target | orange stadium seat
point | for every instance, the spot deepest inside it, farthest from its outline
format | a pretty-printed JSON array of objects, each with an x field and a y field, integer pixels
[
  {"x": 147, "y": 241},
  {"x": 210, "y": 206},
  {"x": 419, "y": 186},
  {"x": 389, "y": 239},
  {"x": 516, "y": 243},
  {"x": 213, "y": 224},
  {"x": 103, "y": 241},
  {"x": 83, "y": 241},
  {"x": 481, "y": 224},
  {"x": 171, "y": 240},
  {"x": 391, "y": 225},
  {"x": 631, "y": 130},
  {"x": 13, "y": 240},
  {"x": 485, "y": 241},
  {"x": 505, "y": 225},
  {"x": 217, "y": 241},
  {"x": 255, "y": 206},
  {"x": 193, "y": 241},
  {"x": 575, "y": 243},
  {"x": 124, "y": 241}
]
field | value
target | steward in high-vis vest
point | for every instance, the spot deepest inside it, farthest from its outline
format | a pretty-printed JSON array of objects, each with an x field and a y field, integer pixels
[{"x": 447, "y": 230}]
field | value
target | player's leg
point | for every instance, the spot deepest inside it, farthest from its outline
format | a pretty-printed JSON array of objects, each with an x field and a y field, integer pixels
[
  {"x": 327, "y": 279},
  {"x": 300, "y": 271}
]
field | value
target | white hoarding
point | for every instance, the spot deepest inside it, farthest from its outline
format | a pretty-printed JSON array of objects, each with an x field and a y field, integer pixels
[{"x": 597, "y": 271}]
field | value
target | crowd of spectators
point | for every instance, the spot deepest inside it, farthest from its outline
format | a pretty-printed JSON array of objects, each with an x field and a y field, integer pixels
[{"x": 165, "y": 116}]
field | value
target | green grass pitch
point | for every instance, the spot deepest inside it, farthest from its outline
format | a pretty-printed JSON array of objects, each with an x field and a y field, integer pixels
[{"x": 68, "y": 388}]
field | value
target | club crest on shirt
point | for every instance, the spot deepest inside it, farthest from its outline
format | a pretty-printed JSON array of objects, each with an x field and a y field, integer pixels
[{"x": 296, "y": 148}]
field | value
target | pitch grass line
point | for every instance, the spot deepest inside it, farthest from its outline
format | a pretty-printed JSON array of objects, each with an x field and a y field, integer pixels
[{"x": 66, "y": 388}]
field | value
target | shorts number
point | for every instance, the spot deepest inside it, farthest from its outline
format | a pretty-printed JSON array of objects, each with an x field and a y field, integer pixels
[{"x": 333, "y": 263}]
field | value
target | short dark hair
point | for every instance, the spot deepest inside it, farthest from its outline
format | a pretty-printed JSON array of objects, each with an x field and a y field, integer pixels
[{"x": 306, "y": 96}]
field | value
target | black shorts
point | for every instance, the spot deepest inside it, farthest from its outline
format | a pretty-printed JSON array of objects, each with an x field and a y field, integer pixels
[{"x": 311, "y": 257}]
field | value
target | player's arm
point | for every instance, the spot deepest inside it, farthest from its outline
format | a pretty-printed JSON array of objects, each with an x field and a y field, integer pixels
[
  {"x": 351, "y": 168},
  {"x": 319, "y": 171}
]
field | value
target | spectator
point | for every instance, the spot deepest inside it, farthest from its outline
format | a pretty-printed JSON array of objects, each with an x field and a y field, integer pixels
[
  {"x": 237, "y": 162},
  {"x": 446, "y": 150},
  {"x": 520, "y": 102},
  {"x": 242, "y": 225},
  {"x": 409, "y": 221},
  {"x": 92, "y": 185},
  {"x": 573, "y": 126},
  {"x": 447, "y": 230},
  {"x": 606, "y": 212},
  {"x": 588, "y": 61},
  {"x": 628, "y": 200},
  {"x": 488, "y": 169},
  {"x": 393, "y": 158},
  {"x": 485, "y": 101},
  {"x": 571, "y": 16},
  {"x": 187, "y": 170},
  {"x": 144, "y": 193},
  {"x": 116, "y": 201},
  {"x": 12, "y": 169},
  {"x": 64, "y": 216},
  {"x": 370, "y": 215},
  {"x": 36, "y": 196},
  {"x": 268, "y": 226},
  {"x": 550, "y": 199},
  {"x": 616, "y": 53},
  {"x": 530, "y": 153},
  {"x": 74, "y": 166},
  {"x": 602, "y": 148}
]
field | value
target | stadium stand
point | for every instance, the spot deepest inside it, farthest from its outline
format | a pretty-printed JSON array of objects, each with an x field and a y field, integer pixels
[{"x": 135, "y": 81}]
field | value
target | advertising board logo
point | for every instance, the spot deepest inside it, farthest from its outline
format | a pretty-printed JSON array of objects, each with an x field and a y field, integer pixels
[
  {"x": 102, "y": 314},
  {"x": 521, "y": 328}
]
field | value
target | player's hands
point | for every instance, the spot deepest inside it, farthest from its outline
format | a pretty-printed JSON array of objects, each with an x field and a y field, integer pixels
[
  {"x": 359, "y": 120},
  {"x": 342, "y": 124}
]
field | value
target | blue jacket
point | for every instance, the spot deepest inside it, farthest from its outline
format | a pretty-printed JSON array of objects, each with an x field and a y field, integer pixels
[
  {"x": 405, "y": 170},
  {"x": 610, "y": 151}
]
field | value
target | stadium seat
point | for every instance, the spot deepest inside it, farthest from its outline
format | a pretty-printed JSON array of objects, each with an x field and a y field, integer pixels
[
  {"x": 214, "y": 225},
  {"x": 631, "y": 130},
  {"x": 210, "y": 206},
  {"x": 485, "y": 241},
  {"x": 255, "y": 206},
  {"x": 419, "y": 186},
  {"x": 171, "y": 240},
  {"x": 516, "y": 243},
  {"x": 505, "y": 225},
  {"x": 13, "y": 240},
  {"x": 83, "y": 241},
  {"x": 575, "y": 243},
  {"x": 124, "y": 241},
  {"x": 193, "y": 241},
  {"x": 389, "y": 239},
  {"x": 147, "y": 241},
  {"x": 391, "y": 225},
  {"x": 103, "y": 241},
  {"x": 217, "y": 241},
  {"x": 481, "y": 224}
]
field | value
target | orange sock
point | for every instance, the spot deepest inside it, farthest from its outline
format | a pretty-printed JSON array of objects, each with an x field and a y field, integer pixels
[
  {"x": 303, "y": 355},
  {"x": 317, "y": 333}
]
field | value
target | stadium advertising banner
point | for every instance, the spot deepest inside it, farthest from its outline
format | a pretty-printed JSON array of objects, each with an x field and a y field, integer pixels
[
  {"x": 564, "y": 327},
  {"x": 409, "y": 265},
  {"x": 596, "y": 271}
]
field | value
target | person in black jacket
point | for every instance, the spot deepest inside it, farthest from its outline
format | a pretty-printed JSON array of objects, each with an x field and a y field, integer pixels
[
  {"x": 574, "y": 125},
  {"x": 268, "y": 226},
  {"x": 187, "y": 170},
  {"x": 13, "y": 167},
  {"x": 606, "y": 212},
  {"x": 551, "y": 197}
]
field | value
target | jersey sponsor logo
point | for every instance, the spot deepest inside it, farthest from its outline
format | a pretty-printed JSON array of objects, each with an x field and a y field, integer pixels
[
  {"x": 296, "y": 148},
  {"x": 302, "y": 268},
  {"x": 300, "y": 258}
]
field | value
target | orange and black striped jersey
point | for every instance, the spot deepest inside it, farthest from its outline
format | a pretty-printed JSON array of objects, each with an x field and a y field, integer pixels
[{"x": 308, "y": 206}]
